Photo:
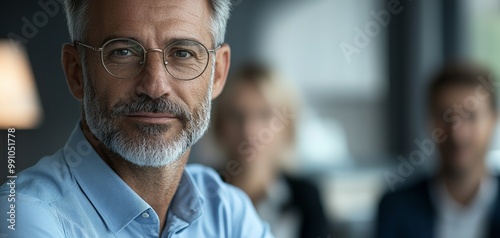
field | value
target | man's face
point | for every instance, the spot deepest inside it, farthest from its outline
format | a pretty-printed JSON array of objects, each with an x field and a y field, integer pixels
[
  {"x": 467, "y": 125},
  {"x": 152, "y": 118}
]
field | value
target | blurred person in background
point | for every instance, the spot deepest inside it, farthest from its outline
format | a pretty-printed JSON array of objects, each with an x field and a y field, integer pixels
[
  {"x": 461, "y": 199},
  {"x": 254, "y": 123}
]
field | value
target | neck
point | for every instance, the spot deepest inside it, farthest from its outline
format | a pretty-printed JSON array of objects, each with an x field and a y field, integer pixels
[
  {"x": 254, "y": 179},
  {"x": 156, "y": 186},
  {"x": 463, "y": 187}
]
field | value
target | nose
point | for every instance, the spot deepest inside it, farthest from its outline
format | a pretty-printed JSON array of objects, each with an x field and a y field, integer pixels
[
  {"x": 459, "y": 133},
  {"x": 154, "y": 81},
  {"x": 251, "y": 126}
]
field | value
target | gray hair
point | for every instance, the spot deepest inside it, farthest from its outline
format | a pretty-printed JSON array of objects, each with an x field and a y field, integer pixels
[{"x": 76, "y": 11}]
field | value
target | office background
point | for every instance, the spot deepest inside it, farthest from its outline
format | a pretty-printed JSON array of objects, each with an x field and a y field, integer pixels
[{"x": 361, "y": 110}]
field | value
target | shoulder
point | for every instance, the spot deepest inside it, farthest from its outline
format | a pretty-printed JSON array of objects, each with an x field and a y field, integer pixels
[
  {"x": 408, "y": 199},
  {"x": 30, "y": 198},
  {"x": 201, "y": 174},
  {"x": 32, "y": 195},
  {"x": 210, "y": 185},
  {"x": 28, "y": 207},
  {"x": 304, "y": 192},
  {"x": 227, "y": 203},
  {"x": 416, "y": 191},
  {"x": 300, "y": 185},
  {"x": 45, "y": 182},
  {"x": 29, "y": 217},
  {"x": 305, "y": 196}
]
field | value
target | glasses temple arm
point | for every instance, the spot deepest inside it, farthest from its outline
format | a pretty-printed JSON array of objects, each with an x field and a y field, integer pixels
[{"x": 88, "y": 46}]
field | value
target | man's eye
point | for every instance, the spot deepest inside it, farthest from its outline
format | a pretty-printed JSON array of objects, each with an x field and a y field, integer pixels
[
  {"x": 183, "y": 54},
  {"x": 123, "y": 52}
]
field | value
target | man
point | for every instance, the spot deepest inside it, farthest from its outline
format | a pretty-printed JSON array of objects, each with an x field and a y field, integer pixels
[
  {"x": 462, "y": 199},
  {"x": 146, "y": 72}
]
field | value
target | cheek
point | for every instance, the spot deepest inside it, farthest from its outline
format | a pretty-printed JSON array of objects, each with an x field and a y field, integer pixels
[
  {"x": 484, "y": 132},
  {"x": 193, "y": 93},
  {"x": 231, "y": 134},
  {"x": 107, "y": 89},
  {"x": 108, "y": 100},
  {"x": 280, "y": 140},
  {"x": 480, "y": 135}
]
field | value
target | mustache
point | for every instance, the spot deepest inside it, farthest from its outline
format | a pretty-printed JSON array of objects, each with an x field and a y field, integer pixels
[{"x": 147, "y": 104}]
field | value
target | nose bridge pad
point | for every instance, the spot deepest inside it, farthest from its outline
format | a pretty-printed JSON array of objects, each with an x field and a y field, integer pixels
[{"x": 155, "y": 50}]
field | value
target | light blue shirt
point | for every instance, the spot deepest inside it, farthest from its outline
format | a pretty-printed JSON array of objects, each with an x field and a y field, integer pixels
[{"x": 74, "y": 193}]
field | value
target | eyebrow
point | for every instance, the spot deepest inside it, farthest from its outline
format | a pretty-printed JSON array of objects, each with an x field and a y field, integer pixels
[{"x": 170, "y": 41}]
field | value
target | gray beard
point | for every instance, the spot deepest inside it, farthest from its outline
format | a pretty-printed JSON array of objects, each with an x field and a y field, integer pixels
[{"x": 149, "y": 148}]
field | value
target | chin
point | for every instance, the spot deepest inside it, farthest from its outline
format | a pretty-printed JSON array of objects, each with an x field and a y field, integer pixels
[{"x": 459, "y": 167}]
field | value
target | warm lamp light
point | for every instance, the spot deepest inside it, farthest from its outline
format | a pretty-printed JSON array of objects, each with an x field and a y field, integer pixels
[{"x": 19, "y": 103}]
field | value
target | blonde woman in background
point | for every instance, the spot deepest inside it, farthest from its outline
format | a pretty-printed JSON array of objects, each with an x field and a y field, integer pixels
[{"x": 255, "y": 128}]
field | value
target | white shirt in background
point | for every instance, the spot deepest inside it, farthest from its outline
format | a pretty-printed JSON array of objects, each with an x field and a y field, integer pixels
[{"x": 455, "y": 220}]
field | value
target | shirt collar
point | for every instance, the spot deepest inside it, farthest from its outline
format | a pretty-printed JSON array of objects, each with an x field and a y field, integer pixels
[
  {"x": 113, "y": 199},
  {"x": 187, "y": 201}
]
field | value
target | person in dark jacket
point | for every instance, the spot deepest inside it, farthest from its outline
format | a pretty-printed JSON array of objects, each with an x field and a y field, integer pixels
[
  {"x": 254, "y": 125},
  {"x": 462, "y": 199}
]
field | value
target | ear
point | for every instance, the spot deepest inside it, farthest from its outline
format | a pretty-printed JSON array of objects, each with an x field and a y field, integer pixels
[
  {"x": 222, "y": 63},
  {"x": 73, "y": 70}
]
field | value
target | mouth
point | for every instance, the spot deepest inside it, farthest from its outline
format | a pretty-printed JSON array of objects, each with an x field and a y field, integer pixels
[{"x": 151, "y": 117}]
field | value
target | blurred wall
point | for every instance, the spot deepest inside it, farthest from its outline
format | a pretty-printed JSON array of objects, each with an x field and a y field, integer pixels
[{"x": 60, "y": 110}]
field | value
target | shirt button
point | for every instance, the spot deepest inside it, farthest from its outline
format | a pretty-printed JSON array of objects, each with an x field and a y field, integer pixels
[{"x": 145, "y": 215}]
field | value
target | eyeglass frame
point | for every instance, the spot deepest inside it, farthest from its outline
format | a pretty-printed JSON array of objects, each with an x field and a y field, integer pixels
[{"x": 145, "y": 51}]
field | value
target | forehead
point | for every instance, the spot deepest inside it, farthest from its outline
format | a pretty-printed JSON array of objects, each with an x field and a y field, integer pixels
[
  {"x": 248, "y": 95},
  {"x": 152, "y": 22},
  {"x": 449, "y": 96}
]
